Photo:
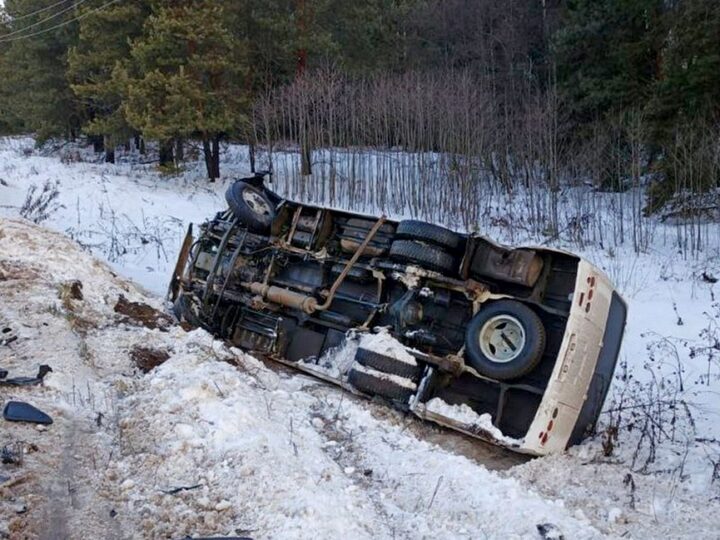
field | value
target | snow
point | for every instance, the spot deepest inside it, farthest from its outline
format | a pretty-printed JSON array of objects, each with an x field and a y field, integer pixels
[
  {"x": 258, "y": 451},
  {"x": 287, "y": 453},
  {"x": 336, "y": 363},
  {"x": 470, "y": 419},
  {"x": 383, "y": 343},
  {"x": 126, "y": 214}
]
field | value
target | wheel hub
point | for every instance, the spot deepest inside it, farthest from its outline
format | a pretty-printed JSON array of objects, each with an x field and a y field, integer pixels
[
  {"x": 256, "y": 203},
  {"x": 502, "y": 339}
]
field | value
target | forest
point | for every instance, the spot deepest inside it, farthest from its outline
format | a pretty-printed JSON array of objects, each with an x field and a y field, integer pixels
[{"x": 617, "y": 94}]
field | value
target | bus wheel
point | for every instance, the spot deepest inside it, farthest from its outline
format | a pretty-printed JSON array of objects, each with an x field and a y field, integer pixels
[
  {"x": 250, "y": 206},
  {"x": 377, "y": 383},
  {"x": 505, "y": 340}
]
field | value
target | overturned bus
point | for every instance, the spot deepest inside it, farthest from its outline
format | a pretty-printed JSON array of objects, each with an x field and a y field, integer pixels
[{"x": 524, "y": 339}]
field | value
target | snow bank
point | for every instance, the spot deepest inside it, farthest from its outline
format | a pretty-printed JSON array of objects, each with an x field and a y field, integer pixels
[
  {"x": 128, "y": 214},
  {"x": 213, "y": 441},
  {"x": 248, "y": 443}
]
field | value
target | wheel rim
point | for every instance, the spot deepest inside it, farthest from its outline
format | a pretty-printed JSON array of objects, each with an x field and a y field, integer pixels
[
  {"x": 256, "y": 202},
  {"x": 502, "y": 339}
]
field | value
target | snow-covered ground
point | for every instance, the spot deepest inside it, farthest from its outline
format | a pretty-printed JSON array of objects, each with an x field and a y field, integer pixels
[
  {"x": 269, "y": 454},
  {"x": 127, "y": 214}
]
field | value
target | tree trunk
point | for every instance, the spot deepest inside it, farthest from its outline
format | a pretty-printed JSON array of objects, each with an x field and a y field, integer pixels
[
  {"x": 207, "y": 153},
  {"x": 305, "y": 158},
  {"x": 141, "y": 147},
  {"x": 98, "y": 143},
  {"x": 251, "y": 155},
  {"x": 302, "y": 27},
  {"x": 211, "y": 151},
  {"x": 216, "y": 157},
  {"x": 109, "y": 151},
  {"x": 166, "y": 153},
  {"x": 179, "y": 150}
]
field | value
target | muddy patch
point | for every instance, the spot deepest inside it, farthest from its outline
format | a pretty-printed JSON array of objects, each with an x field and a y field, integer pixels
[
  {"x": 141, "y": 314},
  {"x": 146, "y": 358}
]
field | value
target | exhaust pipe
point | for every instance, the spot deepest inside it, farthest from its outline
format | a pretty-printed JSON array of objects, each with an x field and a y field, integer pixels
[{"x": 284, "y": 297}]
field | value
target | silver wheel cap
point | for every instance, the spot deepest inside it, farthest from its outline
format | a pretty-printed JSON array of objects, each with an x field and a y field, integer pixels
[
  {"x": 502, "y": 339},
  {"x": 256, "y": 203}
]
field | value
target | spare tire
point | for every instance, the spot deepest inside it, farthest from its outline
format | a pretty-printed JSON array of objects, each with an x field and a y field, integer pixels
[
  {"x": 425, "y": 255},
  {"x": 427, "y": 232},
  {"x": 505, "y": 340},
  {"x": 250, "y": 206}
]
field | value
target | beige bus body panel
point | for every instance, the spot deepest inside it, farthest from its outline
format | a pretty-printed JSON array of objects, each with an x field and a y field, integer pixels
[{"x": 567, "y": 388}]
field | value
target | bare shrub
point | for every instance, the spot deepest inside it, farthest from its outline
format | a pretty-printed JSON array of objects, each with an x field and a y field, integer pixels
[
  {"x": 452, "y": 146},
  {"x": 708, "y": 346},
  {"x": 654, "y": 411},
  {"x": 117, "y": 235},
  {"x": 41, "y": 204},
  {"x": 70, "y": 156},
  {"x": 646, "y": 414}
]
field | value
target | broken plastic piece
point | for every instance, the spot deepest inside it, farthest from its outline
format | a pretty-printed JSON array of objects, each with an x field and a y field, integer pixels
[
  {"x": 217, "y": 538},
  {"x": 550, "y": 531},
  {"x": 26, "y": 381},
  {"x": 7, "y": 336},
  {"x": 19, "y": 411},
  {"x": 173, "y": 491}
]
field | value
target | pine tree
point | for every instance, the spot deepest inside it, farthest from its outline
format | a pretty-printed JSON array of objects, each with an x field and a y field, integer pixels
[
  {"x": 189, "y": 78},
  {"x": 685, "y": 110},
  {"x": 9, "y": 122},
  {"x": 104, "y": 44},
  {"x": 32, "y": 73},
  {"x": 688, "y": 85},
  {"x": 606, "y": 55},
  {"x": 289, "y": 38},
  {"x": 360, "y": 37}
]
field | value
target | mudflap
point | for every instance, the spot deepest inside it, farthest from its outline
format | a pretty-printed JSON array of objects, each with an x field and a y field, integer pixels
[{"x": 180, "y": 265}]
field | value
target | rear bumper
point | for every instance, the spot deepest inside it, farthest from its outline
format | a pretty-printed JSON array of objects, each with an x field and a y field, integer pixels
[
  {"x": 604, "y": 370},
  {"x": 584, "y": 367}
]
